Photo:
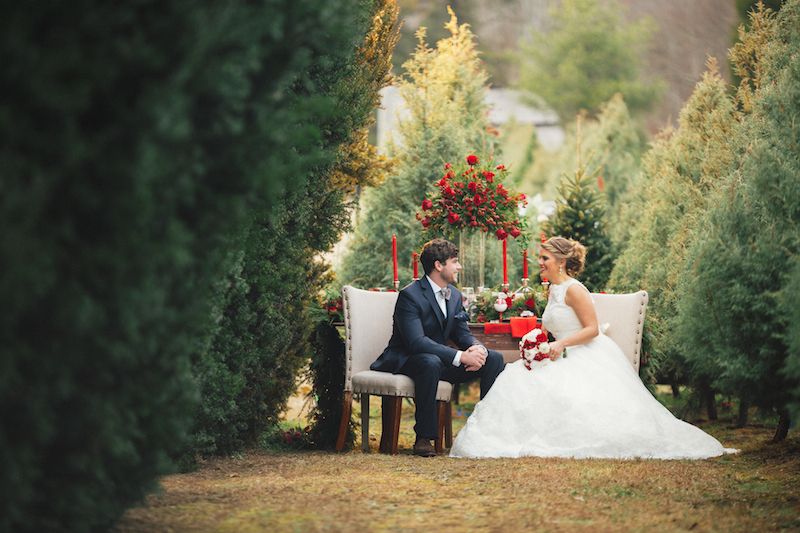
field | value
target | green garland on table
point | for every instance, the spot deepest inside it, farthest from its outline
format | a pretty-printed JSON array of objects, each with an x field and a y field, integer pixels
[{"x": 532, "y": 298}]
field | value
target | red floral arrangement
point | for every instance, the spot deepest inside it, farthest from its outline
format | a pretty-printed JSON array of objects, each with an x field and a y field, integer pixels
[
  {"x": 472, "y": 196},
  {"x": 533, "y": 347}
]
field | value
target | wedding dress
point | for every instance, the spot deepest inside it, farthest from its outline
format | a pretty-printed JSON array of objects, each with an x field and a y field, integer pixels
[{"x": 590, "y": 403}]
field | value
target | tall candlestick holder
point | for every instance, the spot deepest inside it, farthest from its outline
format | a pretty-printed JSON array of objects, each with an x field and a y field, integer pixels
[{"x": 524, "y": 287}]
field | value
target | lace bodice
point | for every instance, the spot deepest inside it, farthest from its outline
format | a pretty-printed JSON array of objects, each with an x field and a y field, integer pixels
[{"x": 558, "y": 317}]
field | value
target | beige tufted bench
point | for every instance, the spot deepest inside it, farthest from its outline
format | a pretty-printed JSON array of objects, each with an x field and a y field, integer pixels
[
  {"x": 368, "y": 319},
  {"x": 624, "y": 314}
]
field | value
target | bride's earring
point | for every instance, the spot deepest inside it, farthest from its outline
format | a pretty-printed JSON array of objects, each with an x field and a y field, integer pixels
[{"x": 560, "y": 269}]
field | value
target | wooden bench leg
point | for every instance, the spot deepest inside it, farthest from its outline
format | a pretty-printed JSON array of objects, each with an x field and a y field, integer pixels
[
  {"x": 396, "y": 416},
  {"x": 365, "y": 422},
  {"x": 391, "y": 409},
  {"x": 347, "y": 408},
  {"x": 448, "y": 426},
  {"x": 441, "y": 408}
]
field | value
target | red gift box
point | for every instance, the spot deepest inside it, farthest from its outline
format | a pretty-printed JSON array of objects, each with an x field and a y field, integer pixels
[
  {"x": 521, "y": 325},
  {"x": 496, "y": 328}
]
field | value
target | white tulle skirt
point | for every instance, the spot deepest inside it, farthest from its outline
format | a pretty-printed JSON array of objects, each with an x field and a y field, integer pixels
[{"x": 589, "y": 404}]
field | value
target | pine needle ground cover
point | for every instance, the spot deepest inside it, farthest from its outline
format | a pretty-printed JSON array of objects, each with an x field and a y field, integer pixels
[{"x": 756, "y": 490}]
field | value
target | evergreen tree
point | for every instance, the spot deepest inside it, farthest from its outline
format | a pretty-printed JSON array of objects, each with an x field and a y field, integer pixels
[
  {"x": 789, "y": 305},
  {"x": 262, "y": 341},
  {"x": 580, "y": 215},
  {"x": 611, "y": 146},
  {"x": 745, "y": 265},
  {"x": 136, "y": 138},
  {"x": 443, "y": 89},
  {"x": 589, "y": 54},
  {"x": 678, "y": 174},
  {"x": 359, "y": 166}
]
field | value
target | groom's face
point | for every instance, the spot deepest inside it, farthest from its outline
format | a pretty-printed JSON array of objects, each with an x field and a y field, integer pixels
[{"x": 450, "y": 269}]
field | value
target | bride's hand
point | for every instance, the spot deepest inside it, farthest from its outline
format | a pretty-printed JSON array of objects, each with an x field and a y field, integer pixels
[{"x": 556, "y": 350}]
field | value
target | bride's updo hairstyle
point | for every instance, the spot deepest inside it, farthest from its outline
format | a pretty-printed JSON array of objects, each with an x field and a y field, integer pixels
[{"x": 573, "y": 251}]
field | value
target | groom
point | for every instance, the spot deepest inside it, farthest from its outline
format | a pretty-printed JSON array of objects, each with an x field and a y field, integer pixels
[{"x": 428, "y": 314}]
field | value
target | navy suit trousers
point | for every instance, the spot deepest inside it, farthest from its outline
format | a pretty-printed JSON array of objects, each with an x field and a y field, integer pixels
[{"x": 427, "y": 370}]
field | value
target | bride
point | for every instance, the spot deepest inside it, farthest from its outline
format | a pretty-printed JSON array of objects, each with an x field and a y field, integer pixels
[{"x": 587, "y": 400}]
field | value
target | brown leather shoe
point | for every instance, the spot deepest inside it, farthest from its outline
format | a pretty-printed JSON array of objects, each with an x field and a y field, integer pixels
[{"x": 424, "y": 448}]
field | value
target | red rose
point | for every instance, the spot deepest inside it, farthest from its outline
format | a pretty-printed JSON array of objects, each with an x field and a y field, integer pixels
[
  {"x": 472, "y": 159},
  {"x": 472, "y": 186},
  {"x": 473, "y": 223},
  {"x": 442, "y": 182},
  {"x": 426, "y": 222},
  {"x": 448, "y": 166},
  {"x": 530, "y": 304},
  {"x": 502, "y": 190},
  {"x": 452, "y": 217},
  {"x": 541, "y": 337},
  {"x": 501, "y": 167},
  {"x": 521, "y": 197},
  {"x": 515, "y": 232},
  {"x": 493, "y": 203},
  {"x": 426, "y": 204},
  {"x": 509, "y": 301},
  {"x": 478, "y": 199},
  {"x": 488, "y": 175},
  {"x": 449, "y": 191},
  {"x": 501, "y": 234}
]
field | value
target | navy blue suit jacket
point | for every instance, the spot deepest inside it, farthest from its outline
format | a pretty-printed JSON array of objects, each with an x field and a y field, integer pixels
[{"x": 420, "y": 327}]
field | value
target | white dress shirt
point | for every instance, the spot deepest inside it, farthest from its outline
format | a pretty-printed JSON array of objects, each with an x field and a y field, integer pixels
[{"x": 437, "y": 293}]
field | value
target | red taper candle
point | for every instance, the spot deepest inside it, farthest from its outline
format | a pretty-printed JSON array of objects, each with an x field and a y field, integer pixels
[
  {"x": 394, "y": 258},
  {"x": 505, "y": 262},
  {"x": 415, "y": 262}
]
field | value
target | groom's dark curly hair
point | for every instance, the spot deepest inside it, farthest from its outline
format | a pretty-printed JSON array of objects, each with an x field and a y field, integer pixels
[{"x": 436, "y": 250}]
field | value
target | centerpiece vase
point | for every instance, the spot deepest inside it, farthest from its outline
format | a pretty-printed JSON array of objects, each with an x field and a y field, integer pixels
[{"x": 472, "y": 256}]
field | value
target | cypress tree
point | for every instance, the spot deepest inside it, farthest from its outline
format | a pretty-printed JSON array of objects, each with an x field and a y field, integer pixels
[
  {"x": 580, "y": 215},
  {"x": 136, "y": 140},
  {"x": 745, "y": 264},
  {"x": 262, "y": 341},
  {"x": 443, "y": 89},
  {"x": 679, "y": 172},
  {"x": 611, "y": 145},
  {"x": 588, "y": 54}
]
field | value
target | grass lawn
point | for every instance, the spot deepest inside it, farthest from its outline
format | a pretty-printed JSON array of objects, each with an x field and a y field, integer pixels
[{"x": 755, "y": 490}]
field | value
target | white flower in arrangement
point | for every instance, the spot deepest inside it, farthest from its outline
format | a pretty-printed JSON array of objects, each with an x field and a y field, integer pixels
[
  {"x": 544, "y": 347},
  {"x": 533, "y": 348},
  {"x": 530, "y": 336}
]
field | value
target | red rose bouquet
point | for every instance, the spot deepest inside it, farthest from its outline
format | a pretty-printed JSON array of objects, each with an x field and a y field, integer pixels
[
  {"x": 533, "y": 348},
  {"x": 472, "y": 196}
]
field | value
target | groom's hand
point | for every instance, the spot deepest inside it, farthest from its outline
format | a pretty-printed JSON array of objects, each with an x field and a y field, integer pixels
[{"x": 473, "y": 358}]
